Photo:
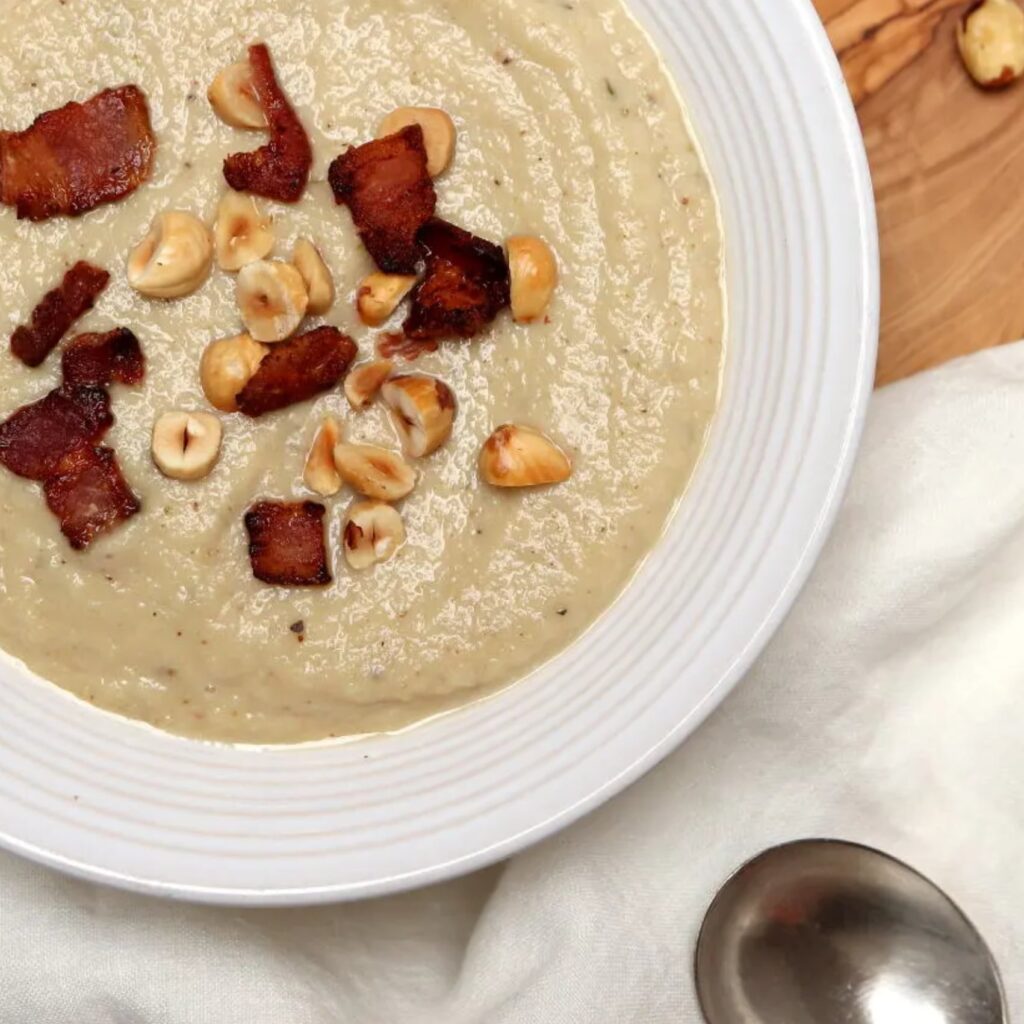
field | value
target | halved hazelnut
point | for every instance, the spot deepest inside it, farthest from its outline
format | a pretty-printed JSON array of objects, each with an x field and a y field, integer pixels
[
  {"x": 380, "y": 295},
  {"x": 243, "y": 232},
  {"x": 516, "y": 456},
  {"x": 226, "y": 367},
  {"x": 233, "y": 97},
  {"x": 186, "y": 444},
  {"x": 438, "y": 133},
  {"x": 373, "y": 532},
  {"x": 534, "y": 272},
  {"x": 319, "y": 283},
  {"x": 272, "y": 299},
  {"x": 423, "y": 411},
  {"x": 363, "y": 383},
  {"x": 321, "y": 475},
  {"x": 375, "y": 472},
  {"x": 991, "y": 41},
  {"x": 174, "y": 259}
]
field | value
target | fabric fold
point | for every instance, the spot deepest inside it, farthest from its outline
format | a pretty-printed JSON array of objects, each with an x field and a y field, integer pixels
[{"x": 886, "y": 711}]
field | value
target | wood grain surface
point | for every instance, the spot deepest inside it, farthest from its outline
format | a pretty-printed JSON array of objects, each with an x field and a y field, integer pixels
[{"x": 948, "y": 166}]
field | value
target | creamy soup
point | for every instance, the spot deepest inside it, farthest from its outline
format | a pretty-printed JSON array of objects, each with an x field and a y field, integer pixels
[{"x": 569, "y": 128}]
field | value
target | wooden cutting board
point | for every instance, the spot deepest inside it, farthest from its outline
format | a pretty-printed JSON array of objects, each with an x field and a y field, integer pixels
[{"x": 948, "y": 166}]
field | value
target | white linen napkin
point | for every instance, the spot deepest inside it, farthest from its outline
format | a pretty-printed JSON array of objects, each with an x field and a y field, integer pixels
[{"x": 889, "y": 710}]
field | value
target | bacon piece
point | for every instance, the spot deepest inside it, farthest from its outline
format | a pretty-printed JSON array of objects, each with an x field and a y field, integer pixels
[
  {"x": 88, "y": 494},
  {"x": 36, "y": 437},
  {"x": 397, "y": 344},
  {"x": 76, "y": 158},
  {"x": 101, "y": 359},
  {"x": 466, "y": 286},
  {"x": 286, "y": 543},
  {"x": 391, "y": 196},
  {"x": 57, "y": 311},
  {"x": 280, "y": 169},
  {"x": 296, "y": 370}
]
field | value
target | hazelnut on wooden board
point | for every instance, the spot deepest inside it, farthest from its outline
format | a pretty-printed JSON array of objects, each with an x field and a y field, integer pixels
[
  {"x": 363, "y": 382},
  {"x": 272, "y": 299},
  {"x": 380, "y": 295},
  {"x": 438, "y": 133},
  {"x": 226, "y": 367},
  {"x": 243, "y": 233},
  {"x": 372, "y": 533},
  {"x": 174, "y": 258},
  {"x": 516, "y": 456},
  {"x": 990, "y": 36},
  {"x": 534, "y": 275},
  {"x": 186, "y": 445},
  {"x": 320, "y": 474},
  {"x": 422, "y": 410},
  {"x": 319, "y": 283},
  {"x": 375, "y": 472},
  {"x": 233, "y": 98}
]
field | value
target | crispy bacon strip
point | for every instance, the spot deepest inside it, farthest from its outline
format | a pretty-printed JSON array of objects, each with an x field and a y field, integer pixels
[
  {"x": 298, "y": 370},
  {"x": 280, "y": 169},
  {"x": 101, "y": 359},
  {"x": 391, "y": 196},
  {"x": 466, "y": 285},
  {"x": 36, "y": 437},
  {"x": 57, "y": 311},
  {"x": 286, "y": 543},
  {"x": 390, "y": 346},
  {"x": 76, "y": 158},
  {"x": 88, "y": 494}
]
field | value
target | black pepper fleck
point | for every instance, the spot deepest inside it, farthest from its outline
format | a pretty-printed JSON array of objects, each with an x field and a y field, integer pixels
[{"x": 298, "y": 627}]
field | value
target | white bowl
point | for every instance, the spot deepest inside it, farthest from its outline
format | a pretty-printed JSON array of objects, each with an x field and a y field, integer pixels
[{"x": 114, "y": 802}]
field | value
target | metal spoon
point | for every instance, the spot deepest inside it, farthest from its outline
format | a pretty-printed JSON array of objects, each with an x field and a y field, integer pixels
[{"x": 823, "y": 932}]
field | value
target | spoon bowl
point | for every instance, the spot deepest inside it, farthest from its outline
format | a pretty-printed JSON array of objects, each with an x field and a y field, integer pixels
[{"x": 826, "y": 932}]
